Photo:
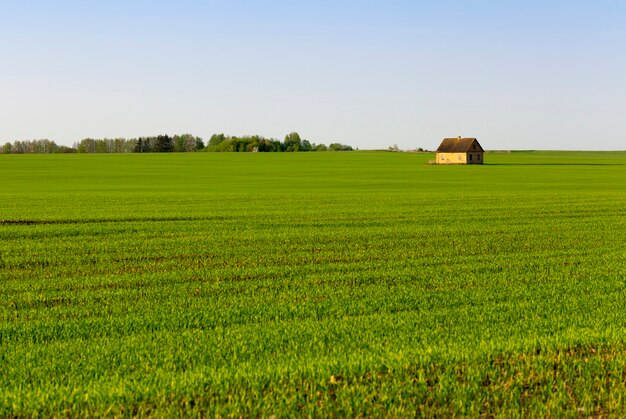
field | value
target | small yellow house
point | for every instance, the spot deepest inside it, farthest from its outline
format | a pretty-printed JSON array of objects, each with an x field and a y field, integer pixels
[{"x": 460, "y": 151}]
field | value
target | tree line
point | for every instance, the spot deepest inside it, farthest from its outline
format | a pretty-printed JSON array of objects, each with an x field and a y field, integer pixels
[
  {"x": 35, "y": 147},
  {"x": 176, "y": 143},
  {"x": 154, "y": 144},
  {"x": 257, "y": 143}
]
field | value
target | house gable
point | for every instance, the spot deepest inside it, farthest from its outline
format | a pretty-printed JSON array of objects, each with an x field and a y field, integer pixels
[{"x": 475, "y": 147}]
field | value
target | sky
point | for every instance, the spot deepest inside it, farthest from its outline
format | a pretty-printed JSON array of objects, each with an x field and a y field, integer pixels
[{"x": 522, "y": 74}]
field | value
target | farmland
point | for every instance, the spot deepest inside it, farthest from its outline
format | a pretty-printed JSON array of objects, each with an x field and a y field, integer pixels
[{"x": 312, "y": 283}]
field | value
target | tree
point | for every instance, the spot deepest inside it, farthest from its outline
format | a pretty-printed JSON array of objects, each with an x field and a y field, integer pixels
[
  {"x": 339, "y": 147},
  {"x": 268, "y": 145},
  {"x": 65, "y": 150},
  {"x": 216, "y": 139},
  {"x": 139, "y": 146},
  {"x": 118, "y": 145},
  {"x": 199, "y": 144},
  {"x": 145, "y": 145},
  {"x": 305, "y": 145},
  {"x": 6, "y": 149},
  {"x": 178, "y": 143},
  {"x": 101, "y": 146},
  {"x": 87, "y": 145},
  {"x": 130, "y": 145},
  {"x": 292, "y": 142},
  {"x": 163, "y": 144}
]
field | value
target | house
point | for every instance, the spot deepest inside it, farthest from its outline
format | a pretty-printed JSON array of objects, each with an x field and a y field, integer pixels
[{"x": 460, "y": 151}]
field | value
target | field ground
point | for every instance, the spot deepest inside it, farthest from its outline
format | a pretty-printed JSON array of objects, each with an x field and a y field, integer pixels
[{"x": 313, "y": 284}]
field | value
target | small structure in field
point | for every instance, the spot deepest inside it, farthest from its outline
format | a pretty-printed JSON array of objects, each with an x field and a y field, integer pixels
[{"x": 460, "y": 151}]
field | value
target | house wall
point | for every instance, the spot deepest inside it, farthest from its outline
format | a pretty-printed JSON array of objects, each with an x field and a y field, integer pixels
[
  {"x": 458, "y": 158},
  {"x": 477, "y": 158},
  {"x": 451, "y": 158}
]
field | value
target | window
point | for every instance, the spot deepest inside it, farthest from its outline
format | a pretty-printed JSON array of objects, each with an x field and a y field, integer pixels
[
  {"x": 470, "y": 157},
  {"x": 478, "y": 157}
]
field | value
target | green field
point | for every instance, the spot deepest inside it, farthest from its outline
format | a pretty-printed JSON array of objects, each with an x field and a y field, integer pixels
[{"x": 341, "y": 284}]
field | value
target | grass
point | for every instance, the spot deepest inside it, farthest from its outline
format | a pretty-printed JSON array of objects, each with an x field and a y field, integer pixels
[{"x": 338, "y": 284}]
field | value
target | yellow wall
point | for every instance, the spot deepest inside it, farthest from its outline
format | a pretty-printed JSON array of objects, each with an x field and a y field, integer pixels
[
  {"x": 451, "y": 158},
  {"x": 458, "y": 158}
]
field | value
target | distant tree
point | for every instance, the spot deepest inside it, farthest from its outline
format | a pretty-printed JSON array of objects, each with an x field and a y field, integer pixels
[
  {"x": 42, "y": 146},
  {"x": 18, "y": 147},
  {"x": 236, "y": 144},
  {"x": 65, "y": 150},
  {"x": 87, "y": 145},
  {"x": 102, "y": 146},
  {"x": 149, "y": 144},
  {"x": 130, "y": 145},
  {"x": 305, "y": 145},
  {"x": 119, "y": 145},
  {"x": 163, "y": 144},
  {"x": 228, "y": 144},
  {"x": 216, "y": 139},
  {"x": 199, "y": 144},
  {"x": 339, "y": 147},
  {"x": 242, "y": 146},
  {"x": 269, "y": 145},
  {"x": 48, "y": 146},
  {"x": 178, "y": 143},
  {"x": 139, "y": 146},
  {"x": 292, "y": 142},
  {"x": 185, "y": 143},
  {"x": 145, "y": 144}
]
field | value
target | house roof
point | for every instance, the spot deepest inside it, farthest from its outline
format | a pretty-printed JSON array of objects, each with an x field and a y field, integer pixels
[{"x": 458, "y": 145}]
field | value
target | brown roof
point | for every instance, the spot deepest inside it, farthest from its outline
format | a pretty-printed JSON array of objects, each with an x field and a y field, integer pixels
[{"x": 457, "y": 145}]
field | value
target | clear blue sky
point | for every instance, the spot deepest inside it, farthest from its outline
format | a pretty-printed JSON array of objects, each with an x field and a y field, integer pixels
[{"x": 516, "y": 74}]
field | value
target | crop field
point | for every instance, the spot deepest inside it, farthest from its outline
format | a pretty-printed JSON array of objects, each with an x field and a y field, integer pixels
[{"x": 302, "y": 284}]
